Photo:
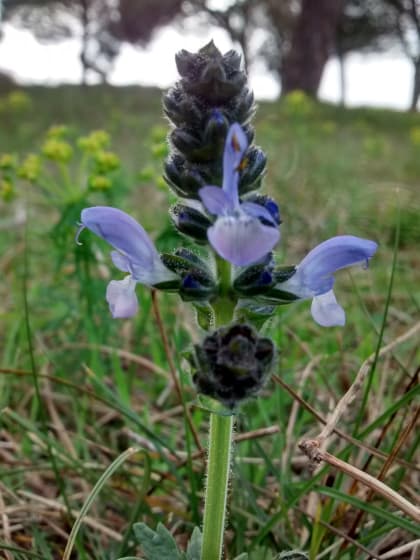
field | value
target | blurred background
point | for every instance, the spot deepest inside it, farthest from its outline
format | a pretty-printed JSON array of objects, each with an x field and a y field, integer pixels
[
  {"x": 337, "y": 83},
  {"x": 357, "y": 52}
]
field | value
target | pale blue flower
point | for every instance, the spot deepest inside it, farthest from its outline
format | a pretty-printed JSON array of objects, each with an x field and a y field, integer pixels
[
  {"x": 314, "y": 276},
  {"x": 135, "y": 254},
  {"x": 239, "y": 233}
]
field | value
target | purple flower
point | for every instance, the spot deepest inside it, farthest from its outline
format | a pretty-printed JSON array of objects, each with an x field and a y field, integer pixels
[
  {"x": 314, "y": 276},
  {"x": 237, "y": 235},
  {"x": 135, "y": 254}
]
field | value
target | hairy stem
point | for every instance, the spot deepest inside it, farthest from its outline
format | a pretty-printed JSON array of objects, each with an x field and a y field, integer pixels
[
  {"x": 220, "y": 441},
  {"x": 218, "y": 465}
]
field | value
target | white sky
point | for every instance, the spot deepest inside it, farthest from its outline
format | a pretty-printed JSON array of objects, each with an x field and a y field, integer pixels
[{"x": 379, "y": 80}]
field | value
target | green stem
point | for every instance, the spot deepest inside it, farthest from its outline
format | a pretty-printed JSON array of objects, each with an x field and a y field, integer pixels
[
  {"x": 218, "y": 465},
  {"x": 225, "y": 303},
  {"x": 220, "y": 439}
]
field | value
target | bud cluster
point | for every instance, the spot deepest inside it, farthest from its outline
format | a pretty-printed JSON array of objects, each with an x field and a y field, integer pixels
[
  {"x": 211, "y": 95},
  {"x": 233, "y": 364}
]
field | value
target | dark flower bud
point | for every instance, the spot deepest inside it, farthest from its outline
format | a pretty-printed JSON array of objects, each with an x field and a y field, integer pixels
[
  {"x": 276, "y": 295},
  {"x": 253, "y": 169},
  {"x": 181, "y": 109},
  {"x": 190, "y": 221},
  {"x": 209, "y": 74},
  {"x": 185, "y": 179},
  {"x": 244, "y": 107},
  {"x": 184, "y": 141},
  {"x": 197, "y": 280},
  {"x": 283, "y": 273},
  {"x": 254, "y": 280},
  {"x": 215, "y": 132},
  {"x": 233, "y": 364},
  {"x": 200, "y": 146}
]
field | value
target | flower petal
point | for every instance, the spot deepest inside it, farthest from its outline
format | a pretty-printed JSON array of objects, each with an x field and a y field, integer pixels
[
  {"x": 121, "y": 297},
  {"x": 332, "y": 255},
  {"x": 122, "y": 232},
  {"x": 121, "y": 261},
  {"x": 215, "y": 200},
  {"x": 258, "y": 211},
  {"x": 242, "y": 240},
  {"x": 326, "y": 311},
  {"x": 235, "y": 148}
]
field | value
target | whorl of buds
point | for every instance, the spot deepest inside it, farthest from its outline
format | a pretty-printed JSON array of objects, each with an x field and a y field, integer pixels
[
  {"x": 211, "y": 95},
  {"x": 233, "y": 364}
]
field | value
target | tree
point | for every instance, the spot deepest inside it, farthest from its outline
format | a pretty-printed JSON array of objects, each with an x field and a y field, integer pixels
[
  {"x": 55, "y": 20},
  {"x": 379, "y": 25},
  {"x": 407, "y": 25},
  {"x": 101, "y": 25},
  {"x": 313, "y": 42},
  {"x": 364, "y": 26}
]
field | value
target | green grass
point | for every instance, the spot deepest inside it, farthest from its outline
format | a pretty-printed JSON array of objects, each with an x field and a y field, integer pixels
[{"x": 74, "y": 395}]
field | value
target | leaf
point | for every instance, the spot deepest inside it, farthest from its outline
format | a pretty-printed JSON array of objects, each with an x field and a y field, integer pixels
[
  {"x": 156, "y": 545},
  {"x": 255, "y": 313},
  {"x": 243, "y": 556},
  {"x": 393, "y": 519},
  {"x": 205, "y": 315},
  {"x": 213, "y": 406},
  {"x": 194, "y": 546}
]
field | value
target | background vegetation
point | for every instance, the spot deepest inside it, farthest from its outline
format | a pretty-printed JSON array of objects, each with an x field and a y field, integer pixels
[{"x": 77, "y": 388}]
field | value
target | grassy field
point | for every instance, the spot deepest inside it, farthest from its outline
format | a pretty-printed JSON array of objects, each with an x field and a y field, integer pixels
[{"x": 78, "y": 388}]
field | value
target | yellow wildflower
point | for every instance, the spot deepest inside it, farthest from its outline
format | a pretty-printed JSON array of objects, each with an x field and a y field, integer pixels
[
  {"x": 57, "y": 150},
  {"x": 106, "y": 161},
  {"x": 57, "y": 131},
  {"x": 30, "y": 168},
  {"x": 8, "y": 161},
  {"x": 100, "y": 183},
  {"x": 6, "y": 190},
  {"x": 95, "y": 141}
]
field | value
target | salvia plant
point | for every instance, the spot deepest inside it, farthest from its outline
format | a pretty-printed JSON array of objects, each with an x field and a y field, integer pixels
[{"x": 233, "y": 279}]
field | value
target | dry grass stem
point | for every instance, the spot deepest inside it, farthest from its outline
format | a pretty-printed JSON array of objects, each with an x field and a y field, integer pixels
[
  {"x": 53, "y": 504},
  {"x": 359, "y": 444},
  {"x": 289, "y": 440},
  {"x": 341, "y": 534},
  {"x": 311, "y": 448},
  {"x": 123, "y": 354},
  {"x": 397, "y": 552},
  {"x": 172, "y": 367},
  {"x": 357, "y": 384},
  {"x": 5, "y": 528}
]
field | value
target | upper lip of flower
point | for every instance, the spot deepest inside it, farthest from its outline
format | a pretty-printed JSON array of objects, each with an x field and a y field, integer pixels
[
  {"x": 314, "y": 276},
  {"x": 238, "y": 235}
]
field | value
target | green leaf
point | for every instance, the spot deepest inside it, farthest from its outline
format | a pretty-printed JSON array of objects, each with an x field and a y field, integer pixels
[
  {"x": 243, "y": 556},
  {"x": 393, "y": 519},
  {"x": 205, "y": 315},
  {"x": 156, "y": 545},
  {"x": 255, "y": 313},
  {"x": 194, "y": 546},
  {"x": 213, "y": 406}
]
